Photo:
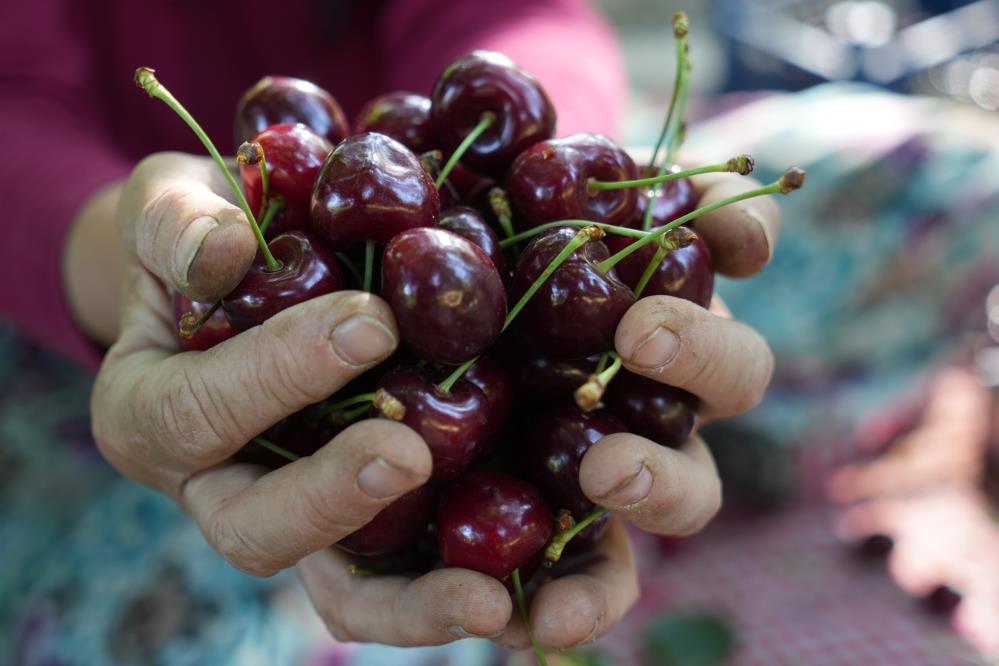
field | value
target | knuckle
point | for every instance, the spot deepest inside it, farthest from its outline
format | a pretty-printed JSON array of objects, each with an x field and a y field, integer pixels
[
  {"x": 285, "y": 375},
  {"x": 323, "y": 514},
  {"x": 193, "y": 421}
]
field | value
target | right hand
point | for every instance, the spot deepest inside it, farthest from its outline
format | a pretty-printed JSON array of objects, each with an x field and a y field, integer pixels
[{"x": 173, "y": 420}]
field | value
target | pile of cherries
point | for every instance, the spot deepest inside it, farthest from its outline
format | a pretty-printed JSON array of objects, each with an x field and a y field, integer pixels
[{"x": 435, "y": 204}]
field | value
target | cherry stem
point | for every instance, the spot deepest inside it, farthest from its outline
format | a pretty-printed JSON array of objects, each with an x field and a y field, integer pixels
[
  {"x": 484, "y": 123},
  {"x": 650, "y": 271},
  {"x": 583, "y": 236},
  {"x": 680, "y": 26},
  {"x": 145, "y": 78},
  {"x": 369, "y": 264},
  {"x": 352, "y": 415},
  {"x": 602, "y": 363},
  {"x": 250, "y": 153},
  {"x": 609, "y": 228},
  {"x": 553, "y": 552},
  {"x": 274, "y": 448},
  {"x": 675, "y": 239},
  {"x": 588, "y": 395},
  {"x": 389, "y": 405},
  {"x": 351, "y": 266},
  {"x": 500, "y": 203},
  {"x": 792, "y": 179},
  {"x": 742, "y": 164},
  {"x": 273, "y": 208},
  {"x": 348, "y": 402},
  {"x": 189, "y": 325},
  {"x": 518, "y": 591}
]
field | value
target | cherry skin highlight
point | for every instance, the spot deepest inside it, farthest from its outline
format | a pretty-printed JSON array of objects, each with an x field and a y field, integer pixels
[
  {"x": 397, "y": 526},
  {"x": 675, "y": 199},
  {"x": 274, "y": 100},
  {"x": 469, "y": 224},
  {"x": 664, "y": 414}
]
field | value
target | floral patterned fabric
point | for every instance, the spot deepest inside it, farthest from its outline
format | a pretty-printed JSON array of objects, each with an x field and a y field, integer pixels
[{"x": 882, "y": 268}]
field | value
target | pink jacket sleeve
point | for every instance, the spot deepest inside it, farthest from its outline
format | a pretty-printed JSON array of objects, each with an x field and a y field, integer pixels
[{"x": 56, "y": 152}]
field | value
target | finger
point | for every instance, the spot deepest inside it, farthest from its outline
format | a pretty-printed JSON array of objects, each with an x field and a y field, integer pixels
[
  {"x": 197, "y": 409},
  {"x": 725, "y": 363},
  {"x": 182, "y": 230},
  {"x": 262, "y": 523},
  {"x": 743, "y": 235},
  {"x": 581, "y": 607},
  {"x": 437, "y": 608},
  {"x": 661, "y": 490}
]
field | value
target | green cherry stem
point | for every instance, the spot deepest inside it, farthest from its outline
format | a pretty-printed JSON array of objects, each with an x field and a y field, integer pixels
[
  {"x": 273, "y": 208},
  {"x": 500, "y": 203},
  {"x": 484, "y": 123},
  {"x": 364, "y": 398},
  {"x": 602, "y": 363},
  {"x": 145, "y": 78},
  {"x": 680, "y": 26},
  {"x": 742, "y": 164},
  {"x": 534, "y": 231},
  {"x": 369, "y": 264},
  {"x": 583, "y": 236},
  {"x": 588, "y": 395},
  {"x": 650, "y": 271},
  {"x": 274, "y": 448},
  {"x": 791, "y": 180},
  {"x": 252, "y": 153},
  {"x": 518, "y": 591},
  {"x": 553, "y": 552},
  {"x": 349, "y": 416}
]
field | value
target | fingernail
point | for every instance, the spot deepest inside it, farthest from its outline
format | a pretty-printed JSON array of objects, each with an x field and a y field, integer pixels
[
  {"x": 460, "y": 632},
  {"x": 632, "y": 489},
  {"x": 382, "y": 480},
  {"x": 189, "y": 244},
  {"x": 753, "y": 215},
  {"x": 656, "y": 350},
  {"x": 361, "y": 340}
]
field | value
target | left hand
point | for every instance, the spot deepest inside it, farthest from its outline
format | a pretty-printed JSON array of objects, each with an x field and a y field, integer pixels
[{"x": 661, "y": 490}]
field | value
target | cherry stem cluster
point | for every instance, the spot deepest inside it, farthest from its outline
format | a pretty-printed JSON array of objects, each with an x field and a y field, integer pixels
[
  {"x": 518, "y": 591},
  {"x": 741, "y": 164},
  {"x": 145, "y": 78},
  {"x": 466, "y": 143},
  {"x": 553, "y": 551}
]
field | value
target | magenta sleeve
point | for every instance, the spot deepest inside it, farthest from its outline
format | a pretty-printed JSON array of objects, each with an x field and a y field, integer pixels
[
  {"x": 56, "y": 153},
  {"x": 564, "y": 43}
]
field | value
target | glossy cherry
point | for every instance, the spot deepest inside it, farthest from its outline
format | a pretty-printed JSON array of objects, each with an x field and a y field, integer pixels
[
  {"x": 401, "y": 115},
  {"x": 469, "y": 224},
  {"x": 664, "y": 414},
  {"x": 294, "y": 156},
  {"x": 454, "y": 424},
  {"x": 445, "y": 292},
  {"x": 576, "y": 311},
  {"x": 371, "y": 188},
  {"x": 397, "y": 526},
  {"x": 492, "y": 523},
  {"x": 274, "y": 100},
  {"x": 303, "y": 433},
  {"x": 486, "y": 82},
  {"x": 307, "y": 270},
  {"x": 686, "y": 272},
  {"x": 674, "y": 199},
  {"x": 216, "y": 328},
  {"x": 550, "y": 181},
  {"x": 489, "y": 376},
  {"x": 552, "y": 380}
]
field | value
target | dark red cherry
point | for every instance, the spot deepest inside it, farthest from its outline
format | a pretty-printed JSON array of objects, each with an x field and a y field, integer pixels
[
  {"x": 552, "y": 380},
  {"x": 576, "y": 311},
  {"x": 445, "y": 292},
  {"x": 675, "y": 199},
  {"x": 492, "y": 523},
  {"x": 454, "y": 424},
  {"x": 401, "y": 115},
  {"x": 371, "y": 188},
  {"x": 307, "y": 270},
  {"x": 397, "y": 526},
  {"x": 486, "y": 82},
  {"x": 294, "y": 155},
  {"x": 281, "y": 99},
  {"x": 686, "y": 272},
  {"x": 664, "y": 414},
  {"x": 469, "y": 224},
  {"x": 550, "y": 181},
  {"x": 303, "y": 433},
  {"x": 215, "y": 330},
  {"x": 492, "y": 379}
]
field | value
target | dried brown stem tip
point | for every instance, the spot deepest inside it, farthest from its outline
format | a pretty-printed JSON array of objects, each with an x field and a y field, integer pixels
[
  {"x": 677, "y": 239},
  {"x": 389, "y": 405},
  {"x": 564, "y": 521},
  {"x": 592, "y": 233},
  {"x": 499, "y": 202},
  {"x": 249, "y": 153},
  {"x": 188, "y": 325},
  {"x": 742, "y": 165},
  {"x": 145, "y": 79},
  {"x": 792, "y": 180},
  {"x": 589, "y": 395},
  {"x": 681, "y": 24}
]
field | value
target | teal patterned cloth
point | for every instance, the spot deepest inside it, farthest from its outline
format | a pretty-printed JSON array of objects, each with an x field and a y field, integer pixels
[{"x": 883, "y": 265}]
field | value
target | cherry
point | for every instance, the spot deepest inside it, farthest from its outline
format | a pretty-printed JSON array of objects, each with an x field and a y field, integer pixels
[
  {"x": 469, "y": 224},
  {"x": 370, "y": 189},
  {"x": 307, "y": 269},
  {"x": 664, "y": 414},
  {"x": 274, "y": 100},
  {"x": 294, "y": 154},
  {"x": 214, "y": 330},
  {"x": 686, "y": 272},
  {"x": 302, "y": 434},
  {"x": 550, "y": 181},
  {"x": 397, "y": 526},
  {"x": 492, "y": 523},
  {"x": 454, "y": 424},
  {"x": 554, "y": 447},
  {"x": 488, "y": 375},
  {"x": 674, "y": 199},
  {"x": 485, "y": 83},
  {"x": 550, "y": 380},
  {"x": 403, "y": 116},
  {"x": 576, "y": 311},
  {"x": 445, "y": 292}
]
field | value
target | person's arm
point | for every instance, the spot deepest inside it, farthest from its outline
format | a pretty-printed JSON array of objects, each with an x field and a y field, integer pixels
[
  {"x": 564, "y": 43},
  {"x": 57, "y": 153}
]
